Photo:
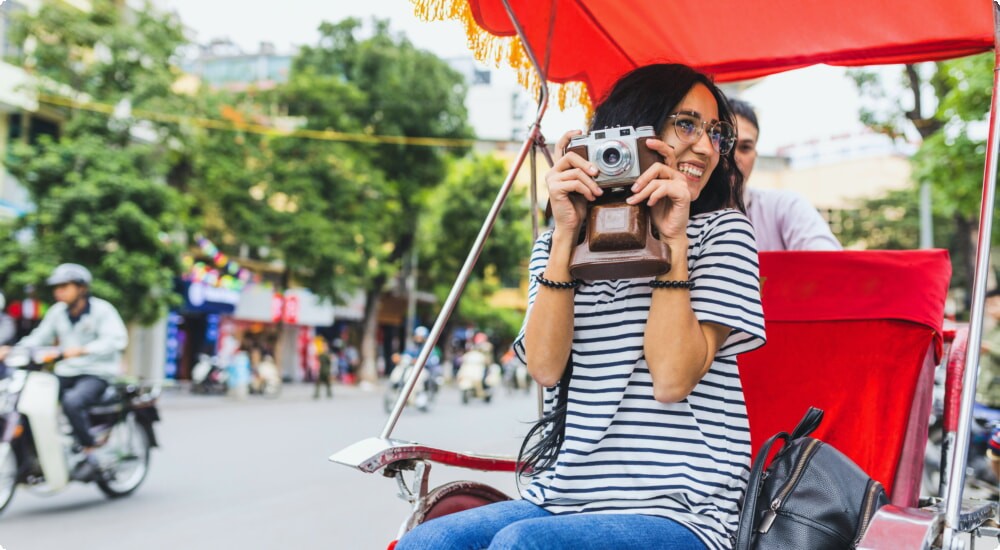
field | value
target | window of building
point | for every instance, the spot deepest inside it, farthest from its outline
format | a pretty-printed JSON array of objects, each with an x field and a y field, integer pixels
[{"x": 8, "y": 49}]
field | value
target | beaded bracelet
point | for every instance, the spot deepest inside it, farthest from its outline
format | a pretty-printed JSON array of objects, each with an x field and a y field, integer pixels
[
  {"x": 561, "y": 285},
  {"x": 671, "y": 284}
]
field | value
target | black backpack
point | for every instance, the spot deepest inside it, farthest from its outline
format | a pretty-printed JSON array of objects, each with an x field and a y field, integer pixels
[{"x": 810, "y": 497}]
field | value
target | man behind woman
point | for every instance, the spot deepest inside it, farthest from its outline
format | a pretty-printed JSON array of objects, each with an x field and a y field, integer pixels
[
  {"x": 646, "y": 438},
  {"x": 782, "y": 219}
]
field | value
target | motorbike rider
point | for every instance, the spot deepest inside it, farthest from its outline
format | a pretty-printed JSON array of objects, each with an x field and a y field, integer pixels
[
  {"x": 433, "y": 365},
  {"x": 92, "y": 337}
]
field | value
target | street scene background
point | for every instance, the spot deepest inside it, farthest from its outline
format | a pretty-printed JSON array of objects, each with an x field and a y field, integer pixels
[
  {"x": 290, "y": 184},
  {"x": 255, "y": 474}
]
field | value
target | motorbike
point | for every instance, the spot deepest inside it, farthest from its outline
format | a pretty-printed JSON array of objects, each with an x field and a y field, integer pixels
[
  {"x": 516, "y": 377},
  {"x": 37, "y": 450},
  {"x": 477, "y": 377},
  {"x": 207, "y": 377},
  {"x": 267, "y": 380},
  {"x": 424, "y": 392}
]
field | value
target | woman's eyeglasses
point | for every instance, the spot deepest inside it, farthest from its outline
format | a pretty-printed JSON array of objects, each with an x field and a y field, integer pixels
[{"x": 689, "y": 128}]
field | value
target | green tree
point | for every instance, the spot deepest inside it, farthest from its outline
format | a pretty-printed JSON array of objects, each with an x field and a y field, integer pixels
[
  {"x": 943, "y": 101},
  {"x": 453, "y": 222},
  {"x": 99, "y": 188},
  {"x": 374, "y": 193}
]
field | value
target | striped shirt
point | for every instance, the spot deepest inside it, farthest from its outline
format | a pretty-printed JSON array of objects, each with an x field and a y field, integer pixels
[{"x": 625, "y": 452}]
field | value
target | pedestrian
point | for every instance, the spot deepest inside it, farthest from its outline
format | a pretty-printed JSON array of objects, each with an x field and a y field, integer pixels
[{"x": 325, "y": 368}]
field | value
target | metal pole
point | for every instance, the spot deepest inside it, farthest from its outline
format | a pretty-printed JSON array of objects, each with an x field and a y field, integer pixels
[
  {"x": 926, "y": 219},
  {"x": 477, "y": 247},
  {"x": 953, "y": 500},
  {"x": 411, "y": 294}
]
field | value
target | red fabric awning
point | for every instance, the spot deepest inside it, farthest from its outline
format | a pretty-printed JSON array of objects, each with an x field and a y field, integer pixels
[{"x": 596, "y": 41}]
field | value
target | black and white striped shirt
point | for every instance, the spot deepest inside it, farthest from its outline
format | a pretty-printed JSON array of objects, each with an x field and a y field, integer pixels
[{"x": 625, "y": 452}]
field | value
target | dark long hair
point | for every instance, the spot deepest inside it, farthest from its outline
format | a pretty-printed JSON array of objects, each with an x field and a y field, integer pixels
[{"x": 644, "y": 97}]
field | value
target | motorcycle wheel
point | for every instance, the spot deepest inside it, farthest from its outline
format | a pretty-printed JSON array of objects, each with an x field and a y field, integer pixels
[
  {"x": 8, "y": 475},
  {"x": 129, "y": 446}
]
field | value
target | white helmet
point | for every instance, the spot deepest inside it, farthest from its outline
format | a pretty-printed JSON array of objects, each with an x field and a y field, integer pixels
[{"x": 69, "y": 273}]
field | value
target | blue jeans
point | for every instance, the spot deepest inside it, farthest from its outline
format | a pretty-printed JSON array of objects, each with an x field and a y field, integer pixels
[{"x": 522, "y": 525}]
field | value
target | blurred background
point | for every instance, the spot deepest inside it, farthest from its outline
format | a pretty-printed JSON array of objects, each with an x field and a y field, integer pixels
[{"x": 306, "y": 179}]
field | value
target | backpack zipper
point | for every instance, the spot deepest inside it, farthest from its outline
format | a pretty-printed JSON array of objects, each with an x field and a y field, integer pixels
[
  {"x": 772, "y": 513},
  {"x": 867, "y": 511}
]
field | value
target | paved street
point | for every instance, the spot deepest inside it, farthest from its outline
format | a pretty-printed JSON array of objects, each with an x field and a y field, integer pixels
[{"x": 254, "y": 474}]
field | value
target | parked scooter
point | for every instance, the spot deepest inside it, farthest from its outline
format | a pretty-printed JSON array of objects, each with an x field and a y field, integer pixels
[
  {"x": 37, "y": 449},
  {"x": 208, "y": 377}
]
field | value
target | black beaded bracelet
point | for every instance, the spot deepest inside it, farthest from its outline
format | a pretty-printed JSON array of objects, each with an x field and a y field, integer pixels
[
  {"x": 671, "y": 284},
  {"x": 562, "y": 285}
]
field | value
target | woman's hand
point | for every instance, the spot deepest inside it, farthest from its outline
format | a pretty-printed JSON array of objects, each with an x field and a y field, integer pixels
[
  {"x": 571, "y": 185},
  {"x": 666, "y": 192}
]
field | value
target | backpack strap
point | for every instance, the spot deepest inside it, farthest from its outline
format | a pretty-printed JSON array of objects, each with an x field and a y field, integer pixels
[
  {"x": 810, "y": 421},
  {"x": 749, "y": 508},
  {"x": 805, "y": 427}
]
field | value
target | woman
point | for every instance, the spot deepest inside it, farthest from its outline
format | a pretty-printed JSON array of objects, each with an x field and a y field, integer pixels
[{"x": 646, "y": 443}]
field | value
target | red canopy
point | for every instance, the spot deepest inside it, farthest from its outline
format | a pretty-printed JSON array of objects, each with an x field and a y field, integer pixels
[{"x": 596, "y": 41}]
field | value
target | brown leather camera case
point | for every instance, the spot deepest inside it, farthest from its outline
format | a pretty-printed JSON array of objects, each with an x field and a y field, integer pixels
[{"x": 618, "y": 242}]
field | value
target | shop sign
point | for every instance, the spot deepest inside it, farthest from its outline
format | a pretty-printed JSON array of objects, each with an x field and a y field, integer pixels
[{"x": 199, "y": 297}]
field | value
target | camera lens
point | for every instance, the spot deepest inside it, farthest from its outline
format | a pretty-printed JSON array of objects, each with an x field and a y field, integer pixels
[{"x": 613, "y": 158}]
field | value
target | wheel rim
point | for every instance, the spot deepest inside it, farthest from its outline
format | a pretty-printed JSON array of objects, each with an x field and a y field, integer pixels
[
  {"x": 8, "y": 474},
  {"x": 127, "y": 454}
]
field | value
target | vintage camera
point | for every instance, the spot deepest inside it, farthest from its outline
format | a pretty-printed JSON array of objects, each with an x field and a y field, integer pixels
[
  {"x": 617, "y": 240},
  {"x": 619, "y": 153}
]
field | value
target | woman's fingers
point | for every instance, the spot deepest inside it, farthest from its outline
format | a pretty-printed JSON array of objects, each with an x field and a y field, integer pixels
[
  {"x": 564, "y": 140},
  {"x": 575, "y": 181},
  {"x": 664, "y": 149},
  {"x": 658, "y": 172}
]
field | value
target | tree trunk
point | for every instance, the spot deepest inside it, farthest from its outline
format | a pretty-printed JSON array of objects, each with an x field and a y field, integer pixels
[{"x": 369, "y": 347}]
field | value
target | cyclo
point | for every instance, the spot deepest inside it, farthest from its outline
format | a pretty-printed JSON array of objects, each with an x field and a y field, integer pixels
[{"x": 856, "y": 333}]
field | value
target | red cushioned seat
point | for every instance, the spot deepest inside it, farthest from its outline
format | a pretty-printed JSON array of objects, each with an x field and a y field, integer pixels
[{"x": 856, "y": 334}]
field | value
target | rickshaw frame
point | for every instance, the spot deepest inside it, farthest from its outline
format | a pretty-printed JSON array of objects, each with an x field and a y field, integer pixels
[{"x": 894, "y": 527}]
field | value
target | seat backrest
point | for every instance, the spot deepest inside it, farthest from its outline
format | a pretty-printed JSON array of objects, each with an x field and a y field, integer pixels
[{"x": 856, "y": 334}]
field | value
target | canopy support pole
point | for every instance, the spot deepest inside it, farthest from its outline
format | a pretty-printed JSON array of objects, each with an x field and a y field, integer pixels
[
  {"x": 534, "y": 136},
  {"x": 956, "y": 474}
]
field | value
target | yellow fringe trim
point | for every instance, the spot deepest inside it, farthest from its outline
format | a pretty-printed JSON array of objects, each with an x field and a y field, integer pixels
[{"x": 498, "y": 49}]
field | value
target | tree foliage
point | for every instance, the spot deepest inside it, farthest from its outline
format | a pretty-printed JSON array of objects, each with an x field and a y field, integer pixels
[
  {"x": 947, "y": 104},
  {"x": 99, "y": 192},
  {"x": 454, "y": 220}
]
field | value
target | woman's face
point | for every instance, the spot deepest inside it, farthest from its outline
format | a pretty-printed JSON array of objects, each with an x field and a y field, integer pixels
[{"x": 697, "y": 160}]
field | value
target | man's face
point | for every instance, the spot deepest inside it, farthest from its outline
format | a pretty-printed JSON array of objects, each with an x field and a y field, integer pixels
[
  {"x": 746, "y": 146},
  {"x": 67, "y": 293}
]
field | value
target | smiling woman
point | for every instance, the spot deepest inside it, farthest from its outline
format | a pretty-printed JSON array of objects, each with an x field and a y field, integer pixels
[{"x": 645, "y": 436}]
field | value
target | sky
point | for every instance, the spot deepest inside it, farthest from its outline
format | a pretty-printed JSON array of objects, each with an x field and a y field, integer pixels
[{"x": 793, "y": 107}]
